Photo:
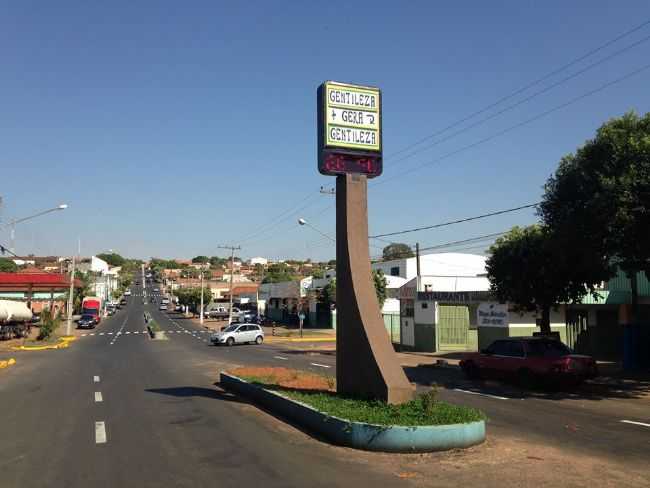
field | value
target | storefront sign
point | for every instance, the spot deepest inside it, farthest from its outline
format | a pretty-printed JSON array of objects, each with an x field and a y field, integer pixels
[{"x": 492, "y": 314}]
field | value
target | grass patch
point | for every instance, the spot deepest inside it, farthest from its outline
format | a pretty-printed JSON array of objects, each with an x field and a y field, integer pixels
[
  {"x": 154, "y": 326},
  {"x": 425, "y": 409}
]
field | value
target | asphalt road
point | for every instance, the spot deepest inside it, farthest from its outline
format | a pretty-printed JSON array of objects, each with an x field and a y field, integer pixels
[{"x": 162, "y": 422}]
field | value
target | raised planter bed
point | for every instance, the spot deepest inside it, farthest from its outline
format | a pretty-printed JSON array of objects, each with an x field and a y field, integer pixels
[{"x": 359, "y": 435}]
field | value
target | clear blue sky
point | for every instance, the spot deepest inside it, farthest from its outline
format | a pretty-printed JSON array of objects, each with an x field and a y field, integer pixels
[{"x": 172, "y": 127}]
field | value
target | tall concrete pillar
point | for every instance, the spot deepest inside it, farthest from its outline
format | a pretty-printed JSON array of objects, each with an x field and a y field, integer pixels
[{"x": 366, "y": 364}]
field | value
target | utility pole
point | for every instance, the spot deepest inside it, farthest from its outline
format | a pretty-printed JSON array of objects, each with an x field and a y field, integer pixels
[
  {"x": 232, "y": 272},
  {"x": 70, "y": 299},
  {"x": 201, "y": 313}
]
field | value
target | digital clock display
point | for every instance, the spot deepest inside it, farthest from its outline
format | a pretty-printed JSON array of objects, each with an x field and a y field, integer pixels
[{"x": 335, "y": 163}]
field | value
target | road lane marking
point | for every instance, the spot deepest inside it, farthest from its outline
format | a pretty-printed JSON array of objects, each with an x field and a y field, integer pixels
[
  {"x": 482, "y": 394},
  {"x": 101, "y": 333},
  {"x": 92, "y": 334},
  {"x": 643, "y": 424},
  {"x": 84, "y": 335},
  {"x": 98, "y": 397},
  {"x": 109, "y": 333},
  {"x": 280, "y": 357},
  {"x": 128, "y": 332},
  {"x": 96, "y": 379},
  {"x": 100, "y": 433},
  {"x": 320, "y": 365}
]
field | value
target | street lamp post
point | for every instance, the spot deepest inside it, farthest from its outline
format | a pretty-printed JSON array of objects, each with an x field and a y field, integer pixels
[{"x": 13, "y": 222}]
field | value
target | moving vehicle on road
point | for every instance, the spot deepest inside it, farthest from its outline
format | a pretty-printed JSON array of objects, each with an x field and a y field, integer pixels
[
  {"x": 530, "y": 360},
  {"x": 238, "y": 334},
  {"x": 87, "y": 321},
  {"x": 92, "y": 306},
  {"x": 216, "y": 313}
]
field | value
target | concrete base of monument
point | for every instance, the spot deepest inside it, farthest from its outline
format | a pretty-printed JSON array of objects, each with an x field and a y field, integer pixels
[{"x": 359, "y": 435}]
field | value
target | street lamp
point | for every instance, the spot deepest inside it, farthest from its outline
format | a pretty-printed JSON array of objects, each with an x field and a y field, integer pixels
[
  {"x": 13, "y": 223},
  {"x": 302, "y": 221}
]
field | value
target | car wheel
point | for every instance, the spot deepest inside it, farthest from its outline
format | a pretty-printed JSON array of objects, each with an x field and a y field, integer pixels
[
  {"x": 472, "y": 371},
  {"x": 230, "y": 341},
  {"x": 259, "y": 339}
]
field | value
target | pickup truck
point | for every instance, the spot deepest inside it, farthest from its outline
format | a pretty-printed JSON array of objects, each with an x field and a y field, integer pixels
[{"x": 217, "y": 313}]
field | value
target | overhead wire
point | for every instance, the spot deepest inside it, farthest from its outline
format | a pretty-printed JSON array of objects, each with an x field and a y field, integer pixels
[
  {"x": 529, "y": 85},
  {"x": 452, "y": 222}
]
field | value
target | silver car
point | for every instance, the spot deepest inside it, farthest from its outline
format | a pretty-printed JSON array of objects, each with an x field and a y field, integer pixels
[{"x": 238, "y": 334}]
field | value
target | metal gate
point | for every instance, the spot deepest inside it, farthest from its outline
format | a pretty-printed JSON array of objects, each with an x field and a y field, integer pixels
[
  {"x": 577, "y": 332},
  {"x": 452, "y": 327}
]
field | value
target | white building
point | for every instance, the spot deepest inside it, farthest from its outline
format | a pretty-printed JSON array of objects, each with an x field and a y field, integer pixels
[
  {"x": 440, "y": 264},
  {"x": 258, "y": 260}
]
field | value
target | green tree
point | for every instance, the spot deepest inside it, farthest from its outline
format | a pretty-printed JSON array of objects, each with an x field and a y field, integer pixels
[
  {"x": 217, "y": 261},
  {"x": 192, "y": 297},
  {"x": 318, "y": 273},
  {"x": 381, "y": 283},
  {"x": 530, "y": 268},
  {"x": 113, "y": 259},
  {"x": 397, "y": 250},
  {"x": 328, "y": 292},
  {"x": 8, "y": 266},
  {"x": 200, "y": 259},
  {"x": 598, "y": 200}
]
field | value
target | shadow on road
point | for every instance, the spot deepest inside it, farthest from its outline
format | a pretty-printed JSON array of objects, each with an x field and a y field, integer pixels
[
  {"x": 194, "y": 391},
  {"x": 601, "y": 388}
]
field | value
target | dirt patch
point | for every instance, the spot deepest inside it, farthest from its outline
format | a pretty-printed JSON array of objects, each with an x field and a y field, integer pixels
[{"x": 288, "y": 378}]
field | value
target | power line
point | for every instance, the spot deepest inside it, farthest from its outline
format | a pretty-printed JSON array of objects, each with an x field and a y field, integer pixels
[
  {"x": 524, "y": 100},
  {"x": 527, "y": 86},
  {"x": 518, "y": 125},
  {"x": 444, "y": 224}
]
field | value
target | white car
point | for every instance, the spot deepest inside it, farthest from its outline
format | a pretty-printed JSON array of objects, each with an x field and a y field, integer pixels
[
  {"x": 238, "y": 334},
  {"x": 162, "y": 307},
  {"x": 127, "y": 293}
]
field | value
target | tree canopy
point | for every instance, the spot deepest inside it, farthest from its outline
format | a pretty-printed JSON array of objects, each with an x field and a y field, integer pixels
[
  {"x": 397, "y": 250},
  {"x": 200, "y": 259},
  {"x": 598, "y": 200},
  {"x": 8, "y": 266},
  {"x": 530, "y": 268},
  {"x": 192, "y": 297},
  {"x": 113, "y": 259}
]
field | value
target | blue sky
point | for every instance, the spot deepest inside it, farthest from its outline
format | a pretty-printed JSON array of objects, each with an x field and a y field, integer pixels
[{"x": 172, "y": 127}]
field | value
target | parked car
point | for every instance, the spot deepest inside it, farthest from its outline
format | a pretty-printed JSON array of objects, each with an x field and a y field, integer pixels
[
  {"x": 529, "y": 360},
  {"x": 216, "y": 313},
  {"x": 162, "y": 307},
  {"x": 127, "y": 293},
  {"x": 87, "y": 321},
  {"x": 238, "y": 334}
]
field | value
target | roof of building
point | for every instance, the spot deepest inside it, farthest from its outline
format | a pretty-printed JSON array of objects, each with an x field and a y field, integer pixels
[{"x": 35, "y": 279}]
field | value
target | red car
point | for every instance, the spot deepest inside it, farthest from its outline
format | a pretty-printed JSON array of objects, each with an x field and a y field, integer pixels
[{"x": 527, "y": 359}]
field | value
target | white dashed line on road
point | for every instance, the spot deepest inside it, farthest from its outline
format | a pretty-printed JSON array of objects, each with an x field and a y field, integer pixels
[
  {"x": 109, "y": 333},
  {"x": 128, "y": 332},
  {"x": 101, "y": 333},
  {"x": 100, "y": 433},
  {"x": 320, "y": 365},
  {"x": 482, "y": 394},
  {"x": 98, "y": 397},
  {"x": 280, "y": 357},
  {"x": 96, "y": 379},
  {"x": 633, "y": 422},
  {"x": 92, "y": 334},
  {"x": 84, "y": 335}
]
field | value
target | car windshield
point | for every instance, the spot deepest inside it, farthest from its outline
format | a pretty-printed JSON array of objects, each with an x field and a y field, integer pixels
[
  {"x": 547, "y": 349},
  {"x": 86, "y": 317},
  {"x": 231, "y": 328}
]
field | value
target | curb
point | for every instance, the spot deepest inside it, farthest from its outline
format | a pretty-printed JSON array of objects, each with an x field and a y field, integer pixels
[
  {"x": 360, "y": 435},
  {"x": 63, "y": 343},
  {"x": 6, "y": 363},
  {"x": 298, "y": 339}
]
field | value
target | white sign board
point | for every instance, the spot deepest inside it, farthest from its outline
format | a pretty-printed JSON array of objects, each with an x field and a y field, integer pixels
[
  {"x": 352, "y": 116},
  {"x": 492, "y": 314}
]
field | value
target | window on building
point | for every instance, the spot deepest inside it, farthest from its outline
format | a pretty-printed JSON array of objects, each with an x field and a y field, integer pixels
[
  {"x": 427, "y": 288},
  {"x": 408, "y": 308},
  {"x": 425, "y": 305},
  {"x": 394, "y": 271}
]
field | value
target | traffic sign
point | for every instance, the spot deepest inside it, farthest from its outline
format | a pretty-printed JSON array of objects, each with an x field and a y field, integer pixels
[{"x": 349, "y": 129}]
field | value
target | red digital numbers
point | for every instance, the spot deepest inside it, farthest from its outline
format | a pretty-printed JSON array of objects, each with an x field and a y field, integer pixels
[{"x": 342, "y": 163}]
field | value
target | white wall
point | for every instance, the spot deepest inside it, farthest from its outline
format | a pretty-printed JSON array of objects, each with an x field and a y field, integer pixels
[{"x": 440, "y": 264}]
